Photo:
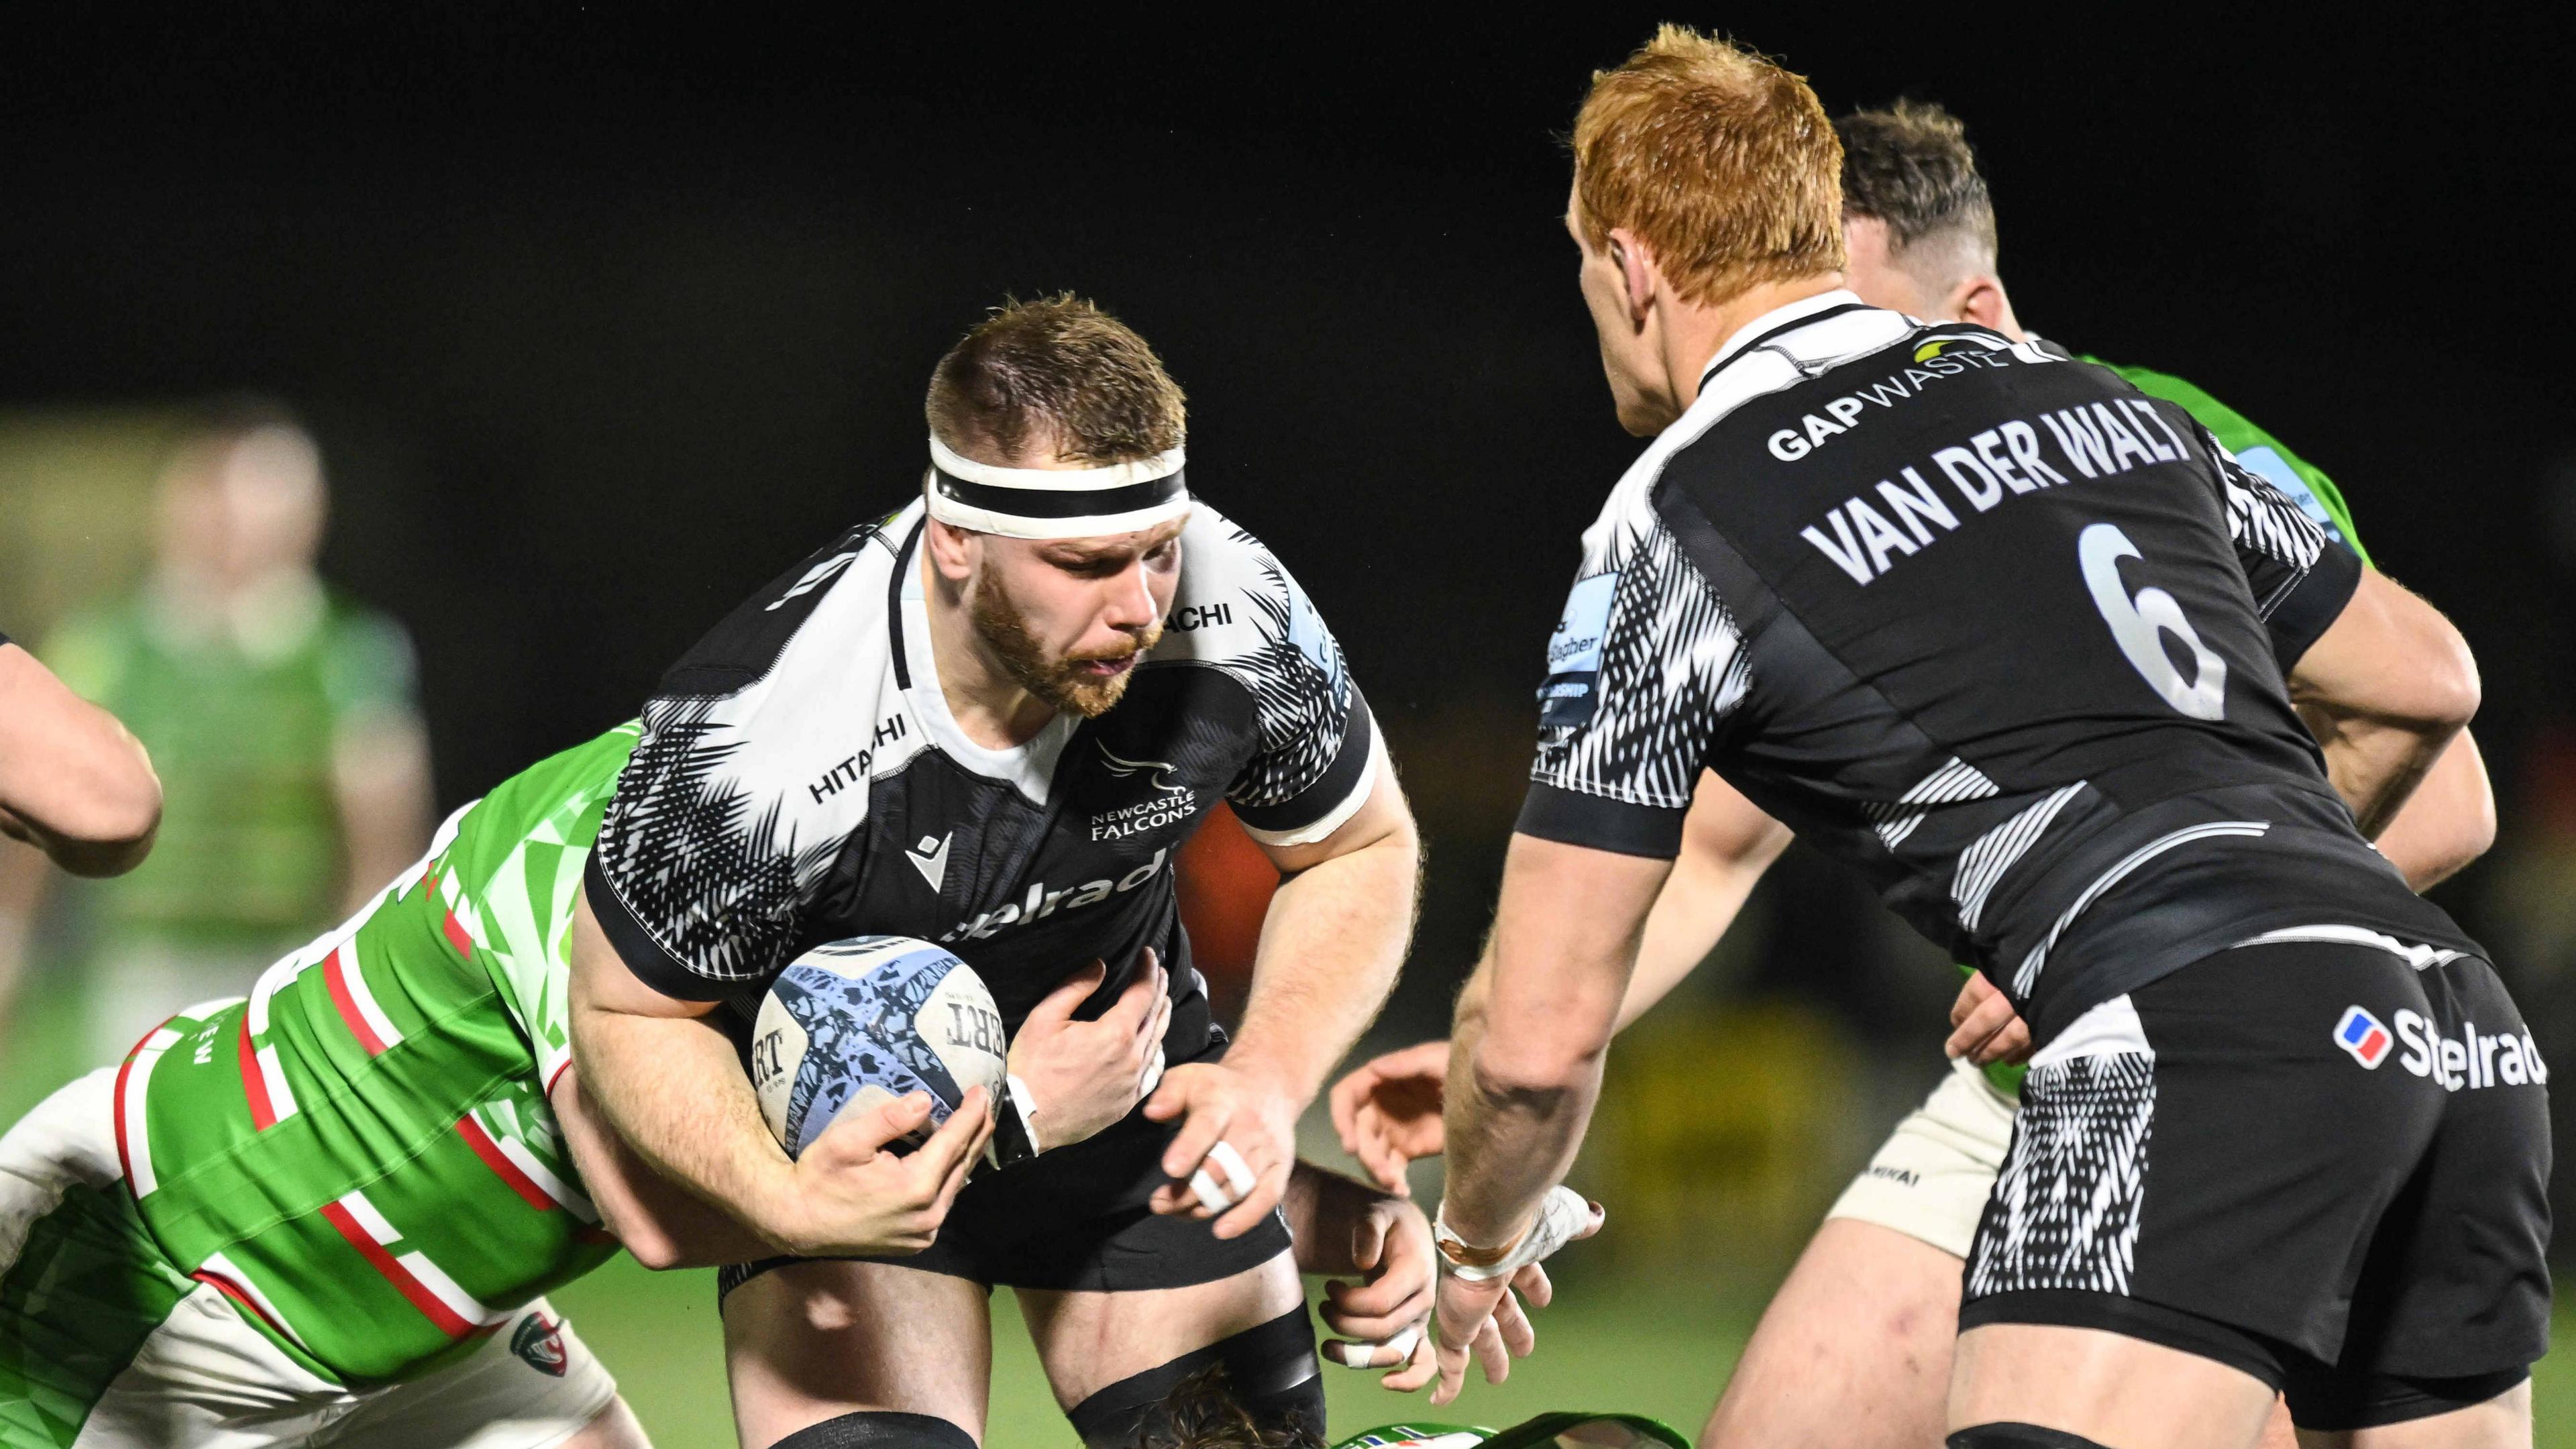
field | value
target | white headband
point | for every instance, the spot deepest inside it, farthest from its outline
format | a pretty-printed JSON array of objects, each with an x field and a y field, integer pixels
[{"x": 1055, "y": 502}]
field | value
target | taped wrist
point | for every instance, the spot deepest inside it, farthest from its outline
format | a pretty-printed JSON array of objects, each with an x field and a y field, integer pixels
[
  {"x": 1015, "y": 1133},
  {"x": 1560, "y": 1214}
]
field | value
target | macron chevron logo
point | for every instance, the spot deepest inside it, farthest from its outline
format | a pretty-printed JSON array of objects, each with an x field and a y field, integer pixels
[{"x": 930, "y": 857}]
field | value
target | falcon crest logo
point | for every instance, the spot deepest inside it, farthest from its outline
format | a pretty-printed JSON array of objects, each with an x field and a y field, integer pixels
[{"x": 1161, "y": 784}]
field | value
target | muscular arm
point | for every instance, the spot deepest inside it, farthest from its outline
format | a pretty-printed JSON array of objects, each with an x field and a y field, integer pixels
[
  {"x": 1525, "y": 1059},
  {"x": 661, "y": 1223},
  {"x": 2385, "y": 690},
  {"x": 1332, "y": 943},
  {"x": 658, "y": 1070},
  {"x": 73, "y": 783},
  {"x": 1330, "y": 947},
  {"x": 2448, "y": 822}
]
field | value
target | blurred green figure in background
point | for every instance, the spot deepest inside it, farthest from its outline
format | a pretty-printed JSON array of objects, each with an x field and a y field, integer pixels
[{"x": 280, "y": 715}]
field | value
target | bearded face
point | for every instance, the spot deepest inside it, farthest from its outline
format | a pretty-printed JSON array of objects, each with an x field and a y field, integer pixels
[{"x": 1086, "y": 682}]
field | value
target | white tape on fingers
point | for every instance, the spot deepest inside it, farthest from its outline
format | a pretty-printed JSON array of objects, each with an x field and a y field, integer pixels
[
  {"x": 1238, "y": 1173},
  {"x": 1364, "y": 1354},
  {"x": 1153, "y": 1074},
  {"x": 1211, "y": 1196}
]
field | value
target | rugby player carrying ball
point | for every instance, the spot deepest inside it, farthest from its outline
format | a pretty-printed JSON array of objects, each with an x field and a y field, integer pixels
[{"x": 990, "y": 721}]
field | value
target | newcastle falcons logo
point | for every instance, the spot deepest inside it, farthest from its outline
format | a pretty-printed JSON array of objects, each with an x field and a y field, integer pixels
[{"x": 1162, "y": 782}]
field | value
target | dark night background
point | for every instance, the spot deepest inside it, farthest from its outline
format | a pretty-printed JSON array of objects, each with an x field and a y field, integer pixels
[
  {"x": 604, "y": 315},
  {"x": 603, "y": 318}
]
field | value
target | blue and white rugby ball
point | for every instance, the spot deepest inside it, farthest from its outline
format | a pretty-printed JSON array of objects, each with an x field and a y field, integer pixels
[{"x": 858, "y": 1022}]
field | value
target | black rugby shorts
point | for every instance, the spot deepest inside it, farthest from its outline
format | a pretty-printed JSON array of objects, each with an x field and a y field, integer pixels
[{"x": 2322, "y": 1160}]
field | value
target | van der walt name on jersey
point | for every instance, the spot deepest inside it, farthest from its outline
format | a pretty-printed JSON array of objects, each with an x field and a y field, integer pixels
[{"x": 1870, "y": 533}]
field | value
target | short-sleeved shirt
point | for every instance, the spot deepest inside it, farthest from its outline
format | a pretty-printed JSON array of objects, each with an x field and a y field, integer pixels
[
  {"x": 800, "y": 780},
  {"x": 1982, "y": 621},
  {"x": 242, "y": 722}
]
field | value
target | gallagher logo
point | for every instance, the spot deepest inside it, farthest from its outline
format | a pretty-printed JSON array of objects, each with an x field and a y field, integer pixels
[{"x": 2362, "y": 1037}]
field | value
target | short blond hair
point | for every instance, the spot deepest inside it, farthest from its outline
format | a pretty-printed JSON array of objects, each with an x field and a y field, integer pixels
[{"x": 1721, "y": 162}]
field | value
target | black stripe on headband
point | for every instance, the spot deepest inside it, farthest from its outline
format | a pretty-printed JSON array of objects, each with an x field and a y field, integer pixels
[{"x": 1060, "y": 502}]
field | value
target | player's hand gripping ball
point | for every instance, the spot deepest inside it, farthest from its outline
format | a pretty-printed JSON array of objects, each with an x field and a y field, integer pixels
[{"x": 864, "y": 1021}]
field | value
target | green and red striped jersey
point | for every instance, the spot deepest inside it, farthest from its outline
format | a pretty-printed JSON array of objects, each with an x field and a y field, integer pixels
[{"x": 360, "y": 1154}]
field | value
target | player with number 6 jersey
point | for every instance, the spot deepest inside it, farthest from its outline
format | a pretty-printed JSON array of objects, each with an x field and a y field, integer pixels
[{"x": 2008, "y": 636}]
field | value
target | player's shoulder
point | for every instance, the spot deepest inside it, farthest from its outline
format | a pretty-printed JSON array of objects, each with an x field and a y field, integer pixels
[
  {"x": 797, "y": 695},
  {"x": 835, "y": 596},
  {"x": 1806, "y": 381},
  {"x": 2254, "y": 447},
  {"x": 1235, "y": 599}
]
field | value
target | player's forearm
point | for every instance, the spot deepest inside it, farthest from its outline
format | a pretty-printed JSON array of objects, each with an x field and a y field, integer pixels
[
  {"x": 1527, "y": 1052},
  {"x": 1330, "y": 949},
  {"x": 1512, "y": 1132},
  {"x": 2448, "y": 822},
  {"x": 2385, "y": 690},
  {"x": 662, "y": 1224},
  {"x": 2376, "y": 765},
  {"x": 674, "y": 1090}
]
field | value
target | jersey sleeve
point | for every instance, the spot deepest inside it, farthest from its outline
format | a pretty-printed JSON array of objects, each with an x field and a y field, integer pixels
[
  {"x": 2303, "y": 482},
  {"x": 2300, "y": 578},
  {"x": 1314, "y": 760},
  {"x": 1644, "y": 667},
  {"x": 741, "y": 793}
]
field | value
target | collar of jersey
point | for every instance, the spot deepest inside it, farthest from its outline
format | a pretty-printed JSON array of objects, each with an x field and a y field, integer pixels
[
  {"x": 1776, "y": 321},
  {"x": 1028, "y": 767}
]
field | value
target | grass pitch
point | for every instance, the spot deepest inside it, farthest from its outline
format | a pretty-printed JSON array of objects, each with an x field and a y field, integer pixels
[{"x": 1639, "y": 1348}]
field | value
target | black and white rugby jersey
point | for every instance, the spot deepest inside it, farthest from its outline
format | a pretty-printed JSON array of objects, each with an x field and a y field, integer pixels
[
  {"x": 800, "y": 779},
  {"x": 1983, "y": 621}
]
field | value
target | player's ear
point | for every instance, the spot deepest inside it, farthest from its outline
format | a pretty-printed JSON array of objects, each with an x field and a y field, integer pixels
[
  {"x": 1637, "y": 271},
  {"x": 1979, "y": 298},
  {"x": 952, "y": 550}
]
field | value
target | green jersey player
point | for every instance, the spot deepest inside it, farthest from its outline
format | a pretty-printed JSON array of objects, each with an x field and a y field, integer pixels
[
  {"x": 328, "y": 1212},
  {"x": 1855, "y": 1349},
  {"x": 332, "y": 1206}
]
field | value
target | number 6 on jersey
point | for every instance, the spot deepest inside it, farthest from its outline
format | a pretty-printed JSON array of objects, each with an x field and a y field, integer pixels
[{"x": 2137, "y": 624}]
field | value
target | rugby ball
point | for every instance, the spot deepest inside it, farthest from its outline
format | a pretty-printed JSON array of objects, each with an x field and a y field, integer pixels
[{"x": 854, "y": 1023}]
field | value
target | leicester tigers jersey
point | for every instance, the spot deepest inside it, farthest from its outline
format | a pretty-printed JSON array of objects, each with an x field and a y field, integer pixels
[
  {"x": 800, "y": 779},
  {"x": 1988, "y": 624}
]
